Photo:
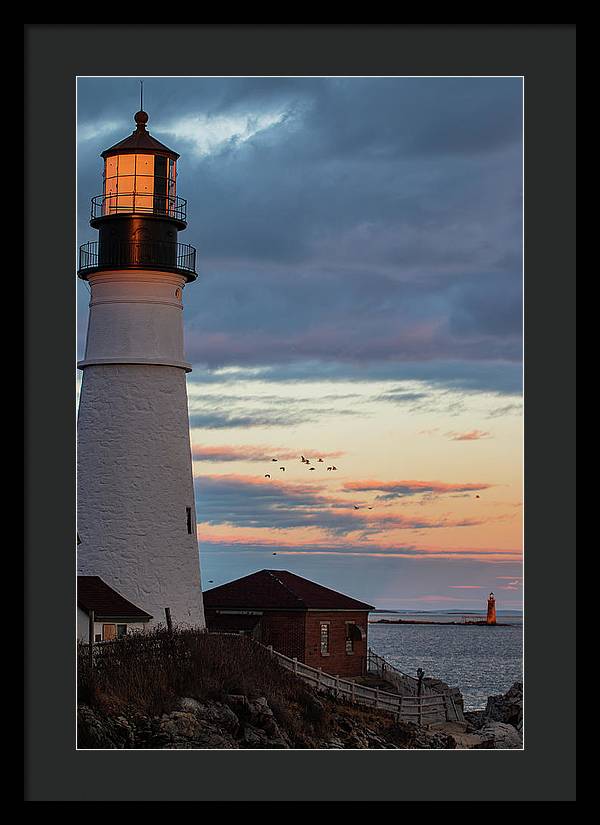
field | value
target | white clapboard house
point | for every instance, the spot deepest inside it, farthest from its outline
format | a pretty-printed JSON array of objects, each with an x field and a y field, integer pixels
[{"x": 114, "y": 615}]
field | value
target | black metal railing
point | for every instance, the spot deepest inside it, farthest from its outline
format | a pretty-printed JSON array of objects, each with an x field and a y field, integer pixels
[
  {"x": 137, "y": 254},
  {"x": 135, "y": 203}
]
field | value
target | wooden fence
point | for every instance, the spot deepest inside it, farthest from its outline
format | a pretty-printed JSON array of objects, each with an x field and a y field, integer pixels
[{"x": 431, "y": 707}]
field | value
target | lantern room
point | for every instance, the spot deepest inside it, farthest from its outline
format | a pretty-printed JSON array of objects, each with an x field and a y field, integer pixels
[
  {"x": 139, "y": 213},
  {"x": 140, "y": 177}
]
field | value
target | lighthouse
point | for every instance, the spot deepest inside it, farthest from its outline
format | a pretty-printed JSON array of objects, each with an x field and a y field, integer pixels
[
  {"x": 136, "y": 519},
  {"x": 491, "y": 609}
]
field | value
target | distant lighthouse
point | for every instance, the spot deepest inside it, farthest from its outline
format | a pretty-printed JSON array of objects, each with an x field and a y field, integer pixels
[
  {"x": 136, "y": 512},
  {"x": 491, "y": 609}
]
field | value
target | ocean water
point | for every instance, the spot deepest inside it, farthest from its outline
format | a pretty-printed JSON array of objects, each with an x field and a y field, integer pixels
[{"x": 481, "y": 661}]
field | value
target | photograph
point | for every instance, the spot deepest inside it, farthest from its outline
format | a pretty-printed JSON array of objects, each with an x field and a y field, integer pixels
[{"x": 299, "y": 412}]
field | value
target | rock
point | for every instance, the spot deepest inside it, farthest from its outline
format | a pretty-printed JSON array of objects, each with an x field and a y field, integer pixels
[
  {"x": 212, "y": 713},
  {"x": 507, "y": 708},
  {"x": 95, "y": 730},
  {"x": 475, "y": 718},
  {"x": 181, "y": 725},
  {"x": 498, "y": 736}
]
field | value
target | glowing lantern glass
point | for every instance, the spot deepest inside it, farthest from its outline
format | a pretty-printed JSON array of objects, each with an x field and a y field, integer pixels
[{"x": 136, "y": 182}]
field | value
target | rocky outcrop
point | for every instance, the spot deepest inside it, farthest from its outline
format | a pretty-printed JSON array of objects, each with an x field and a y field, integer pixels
[
  {"x": 500, "y": 724},
  {"x": 238, "y": 721}
]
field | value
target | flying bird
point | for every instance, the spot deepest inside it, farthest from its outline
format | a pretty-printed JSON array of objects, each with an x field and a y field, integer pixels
[
  {"x": 356, "y": 508},
  {"x": 274, "y": 554},
  {"x": 369, "y": 508},
  {"x": 303, "y": 459},
  {"x": 311, "y": 468},
  {"x": 334, "y": 468},
  {"x": 330, "y": 468},
  {"x": 210, "y": 581},
  {"x": 267, "y": 475},
  {"x": 477, "y": 496},
  {"x": 274, "y": 459},
  {"x": 282, "y": 468},
  {"x": 321, "y": 460}
]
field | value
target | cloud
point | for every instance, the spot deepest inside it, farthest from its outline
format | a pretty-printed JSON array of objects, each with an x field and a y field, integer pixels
[
  {"x": 470, "y": 435},
  {"x": 361, "y": 224},
  {"x": 211, "y": 134},
  {"x": 215, "y": 418},
  {"x": 401, "y": 489},
  {"x": 257, "y": 502},
  {"x": 245, "y": 452},
  {"x": 466, "y": 586}
]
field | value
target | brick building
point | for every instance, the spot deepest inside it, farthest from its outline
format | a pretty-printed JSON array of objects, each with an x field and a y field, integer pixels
[{"x": 299, "y": 618}]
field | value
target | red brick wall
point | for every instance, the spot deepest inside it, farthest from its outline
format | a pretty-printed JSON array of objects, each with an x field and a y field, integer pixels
[
  {"x": 285, "y": 631},
  {"x": 338, "y": 663}
]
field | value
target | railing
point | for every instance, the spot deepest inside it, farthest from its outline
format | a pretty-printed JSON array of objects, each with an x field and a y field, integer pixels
[
  {"x": 126, "y": 203},
  {"x": 140, "y": 254},
  {"x": 406, "y": 684},
  {"x": 425, "y": 709}
]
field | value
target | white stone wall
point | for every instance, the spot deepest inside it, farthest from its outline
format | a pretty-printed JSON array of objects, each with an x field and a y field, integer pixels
[{"x": 134, "y": 458}]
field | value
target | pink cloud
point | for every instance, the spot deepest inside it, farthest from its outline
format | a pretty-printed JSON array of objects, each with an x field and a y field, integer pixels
[
  {"x": 410, "y": 487},
  {"x": 248, "y": 452},
  {"x": 471, "y": 435}
]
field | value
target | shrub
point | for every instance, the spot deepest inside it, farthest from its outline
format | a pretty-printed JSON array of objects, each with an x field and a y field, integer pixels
[{"x": 146, "y": 673}]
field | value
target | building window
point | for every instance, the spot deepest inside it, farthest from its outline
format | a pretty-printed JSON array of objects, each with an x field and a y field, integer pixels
[
  {"x": 121, "y": 630},
  {"x": 349, "y": 637},
  {"x": 324, "y": 638},
  {"x": 98, "y": 637},
  {"x": 188, "y": 514}
]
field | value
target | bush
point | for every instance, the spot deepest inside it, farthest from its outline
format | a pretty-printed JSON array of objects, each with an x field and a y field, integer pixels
[{"x": 146, "y": 673}]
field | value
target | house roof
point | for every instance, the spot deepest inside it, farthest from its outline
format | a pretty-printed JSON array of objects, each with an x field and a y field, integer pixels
[
  {"x": 93, "y": 593},
  {"x": 279, "y": 590}
]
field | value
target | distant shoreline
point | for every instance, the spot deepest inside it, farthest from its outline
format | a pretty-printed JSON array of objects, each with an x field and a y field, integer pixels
[{"x": 481, "y": 623}]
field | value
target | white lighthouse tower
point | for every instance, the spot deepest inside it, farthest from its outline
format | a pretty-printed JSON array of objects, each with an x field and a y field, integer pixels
[{"x": 136, "y": 512}]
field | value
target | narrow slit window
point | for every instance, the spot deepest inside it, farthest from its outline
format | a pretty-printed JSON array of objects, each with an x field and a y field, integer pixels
[{"x": 188, "y": 515}]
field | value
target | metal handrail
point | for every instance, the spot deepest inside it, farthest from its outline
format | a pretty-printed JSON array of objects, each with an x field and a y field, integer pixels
[
  {"x": 137, "y": 254},
  {"x": 146, "y": 203}
]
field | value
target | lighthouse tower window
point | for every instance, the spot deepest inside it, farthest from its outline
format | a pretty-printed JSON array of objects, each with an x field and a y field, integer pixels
[{"x": 188, "y": 514}]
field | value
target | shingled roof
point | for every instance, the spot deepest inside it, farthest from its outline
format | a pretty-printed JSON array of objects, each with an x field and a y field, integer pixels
[
  {"x": 93, "y": 593},
  {"x": 279, "y": 590}
]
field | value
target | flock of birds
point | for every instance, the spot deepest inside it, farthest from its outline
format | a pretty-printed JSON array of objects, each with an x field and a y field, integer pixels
[{"x": 306, "y": 461}]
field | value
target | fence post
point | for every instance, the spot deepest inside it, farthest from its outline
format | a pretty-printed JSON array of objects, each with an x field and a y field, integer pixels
[
  {"x": 91, "y": 617},
  {"x": 169, "y": 620},
  {"x": 400, "y": 709},
  {"x": 270, "y": 649}
]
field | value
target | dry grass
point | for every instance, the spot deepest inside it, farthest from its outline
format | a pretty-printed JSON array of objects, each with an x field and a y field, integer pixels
[{"x": 146, "y": 673}]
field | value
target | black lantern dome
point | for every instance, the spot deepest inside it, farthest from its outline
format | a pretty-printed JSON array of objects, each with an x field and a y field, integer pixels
[{"x": 139, "y": 213}]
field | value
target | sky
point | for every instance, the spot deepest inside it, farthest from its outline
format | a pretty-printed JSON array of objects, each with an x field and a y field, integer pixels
[{"x": 359, "y": 303}]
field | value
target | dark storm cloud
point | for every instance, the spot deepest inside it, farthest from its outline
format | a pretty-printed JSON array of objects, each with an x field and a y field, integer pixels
[{"x": 357, "y": 221}]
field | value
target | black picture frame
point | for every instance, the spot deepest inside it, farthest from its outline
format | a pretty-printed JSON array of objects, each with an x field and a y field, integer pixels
[{"x": 55, "y": 54}]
